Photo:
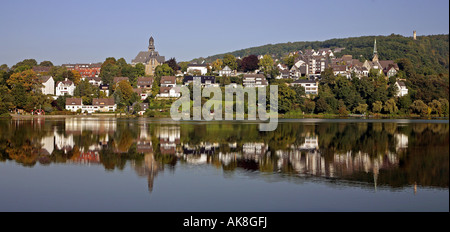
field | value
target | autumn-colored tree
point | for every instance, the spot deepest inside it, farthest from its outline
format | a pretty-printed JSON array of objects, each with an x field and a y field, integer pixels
[
  {"x": 217, "y": 65},
  {"x": 76, "y": 77},
  {"x": 28, "y": 79},
  {"x": 126, "y": 91}
]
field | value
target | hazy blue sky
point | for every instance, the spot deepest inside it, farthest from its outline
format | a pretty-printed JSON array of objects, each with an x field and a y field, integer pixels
[{"x": 67, "y": 31}]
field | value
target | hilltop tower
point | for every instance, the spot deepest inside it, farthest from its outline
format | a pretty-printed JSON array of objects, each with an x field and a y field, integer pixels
[
  {"x": 151, "y": 44},
  {"x": 375, "y": 53},
  {"x": 414, "y": 35},
  {"x": 150, "y": 59}
]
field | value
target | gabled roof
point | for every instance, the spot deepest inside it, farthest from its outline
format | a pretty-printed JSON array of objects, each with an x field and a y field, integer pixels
[
  {"x": 401, "y": 83},
  {"x": 144, "y": 80},
  {"x": 103, "y": 101},
  {"x": 145, "y": 56},
  {"x": 118, "y": 79},
  {"x": 73, "y": 101},
  {"x": 167, "y": 79},
  {"x": 66, "y": 82},
  {"x": 44, "y": 79}
]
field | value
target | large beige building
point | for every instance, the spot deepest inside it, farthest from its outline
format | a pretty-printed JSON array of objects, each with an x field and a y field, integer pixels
[{"x": 150, "y": 58}]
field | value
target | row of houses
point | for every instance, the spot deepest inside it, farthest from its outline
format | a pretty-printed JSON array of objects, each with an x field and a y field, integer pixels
[{"x": 98, "y": 105}]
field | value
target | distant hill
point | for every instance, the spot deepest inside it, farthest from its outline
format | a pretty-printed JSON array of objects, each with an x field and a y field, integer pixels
[{"x": 429, "y": 54}]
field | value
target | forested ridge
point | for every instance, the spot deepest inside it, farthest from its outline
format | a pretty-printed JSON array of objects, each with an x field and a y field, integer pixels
[{"x": 429, "y": 54}]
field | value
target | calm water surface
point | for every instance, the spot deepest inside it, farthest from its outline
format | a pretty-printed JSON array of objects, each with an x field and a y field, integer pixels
[{"x": 92, "y": 164}]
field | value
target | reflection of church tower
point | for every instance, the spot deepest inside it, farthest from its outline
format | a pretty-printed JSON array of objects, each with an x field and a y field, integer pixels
[
  {"x": 151, "y": 44},
  {"x": 375, "y": 53}
]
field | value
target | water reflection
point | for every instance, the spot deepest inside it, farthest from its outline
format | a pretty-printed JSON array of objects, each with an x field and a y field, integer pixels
[{"x": 389, "y": 154}]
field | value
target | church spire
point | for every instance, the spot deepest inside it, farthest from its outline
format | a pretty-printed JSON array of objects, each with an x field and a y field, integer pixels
[
  {"x": 151, "y": 44},
  {"x": 375, "y": 53}
]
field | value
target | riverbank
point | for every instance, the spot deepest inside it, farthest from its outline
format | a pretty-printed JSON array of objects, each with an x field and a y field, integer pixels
[{"x": 305, "y": 116}]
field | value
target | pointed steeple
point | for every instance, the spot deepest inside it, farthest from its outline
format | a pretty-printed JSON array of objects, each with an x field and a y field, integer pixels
[
  {"x": 151, "y": 44},
  {"x": 375, "y": 53}
]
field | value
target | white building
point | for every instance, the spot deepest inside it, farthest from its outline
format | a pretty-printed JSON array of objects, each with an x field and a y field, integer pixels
[
  {"x": 48, "y": 83},
  {"x": 402, "y": 90},
  {"x": 311, "y": 87},
  {"x": 65, "y": 87},
  {"x": 202, "y": 68},
  {"x": 225, "y": 71},
  {"x": 254, "y": 80}
]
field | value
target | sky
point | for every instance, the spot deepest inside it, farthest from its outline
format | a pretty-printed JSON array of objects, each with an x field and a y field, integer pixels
[{"x": 69, "y": 31}]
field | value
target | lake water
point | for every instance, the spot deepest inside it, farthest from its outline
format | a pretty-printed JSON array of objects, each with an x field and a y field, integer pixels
[{"x": 110, "y": 164}]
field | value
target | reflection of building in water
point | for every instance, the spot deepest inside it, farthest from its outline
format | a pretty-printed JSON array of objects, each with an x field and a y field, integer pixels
[
  {"x": 87, "y": 157},
  {"x": 150, "y": 168},
  {"x": 143, "y": 141},
  {"x": 199, "y": 154},
  {"x": 103, "y": 126},
  {"x": 169, "y": 137},
  {"x": 311, "y": 143},
  {"x": 402, "y": 141},
  {"x": 254, "y": 150},
  {"x": 48, "y": 144}
]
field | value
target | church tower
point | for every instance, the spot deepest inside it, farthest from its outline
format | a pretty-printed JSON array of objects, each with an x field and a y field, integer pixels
[
  {"x": 375, "y": 53},
  {"x": 151, "y": 44}
]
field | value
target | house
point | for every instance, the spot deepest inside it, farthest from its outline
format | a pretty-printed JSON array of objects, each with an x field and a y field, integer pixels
[
  {"x": 48, "y": 83},
  {"x": 168, "y": 81},
  {"x": 74, "y": 104},
  {"x": 104, "y": 104},
  {"x": 284, "y": 74},
  {"x": 85, "y": 70},
  {"x": 254, "y": 80},
  {"x": 65, "y": 87},
  {"x": 41, "y": 69},
  {"x": 144, "y": 107},
  {"x": 169, "y": 92},
  {"x": 141, "y": 93},
  {"x": 389, "y": 67},
  {"x": 116, "y": 80},
  {"x": 341, "y": 70},
  {"x": 95, "y": 81},
  {"x": 98, "y": 104},
  {"x": 105, "y": 89},
  {"x": 150, "y": 59},
  {"x": 282, "y": 66},
  {"x": 402, "y": 90},
  {"x": 144, "y": 82},
  {"x": 202, "y": 68},
  {"x": 225, "y": 71},
  {"x": 311, "y": 86},
  {"x": 201, "y": 80}
]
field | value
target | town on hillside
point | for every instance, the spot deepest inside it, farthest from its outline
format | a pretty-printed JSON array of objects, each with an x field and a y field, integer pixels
[{"x": 310, "y": 82}]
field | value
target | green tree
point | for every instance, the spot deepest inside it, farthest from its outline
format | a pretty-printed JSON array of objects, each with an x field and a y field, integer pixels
[
  {"x": 266, "y": 64},
  {"x": 163, "y": 70},
  {"x": 126, "y": 91},
  {"x": 377, "y": 106},
  {"x": 361, "y": 109},
  {"x": 436, "y": 107},
  {"x": 286, "y": 98},
  {"x": 46, "y": 63},
  {"x": 419, "y": 107},
  {"x": 444, "y": 106},
  {"x": 230, "y": 61},
  {"x": 390, "y": 106}
]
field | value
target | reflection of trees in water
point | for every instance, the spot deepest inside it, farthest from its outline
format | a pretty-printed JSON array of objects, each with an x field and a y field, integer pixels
[{"x": 398, "y": 154}]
